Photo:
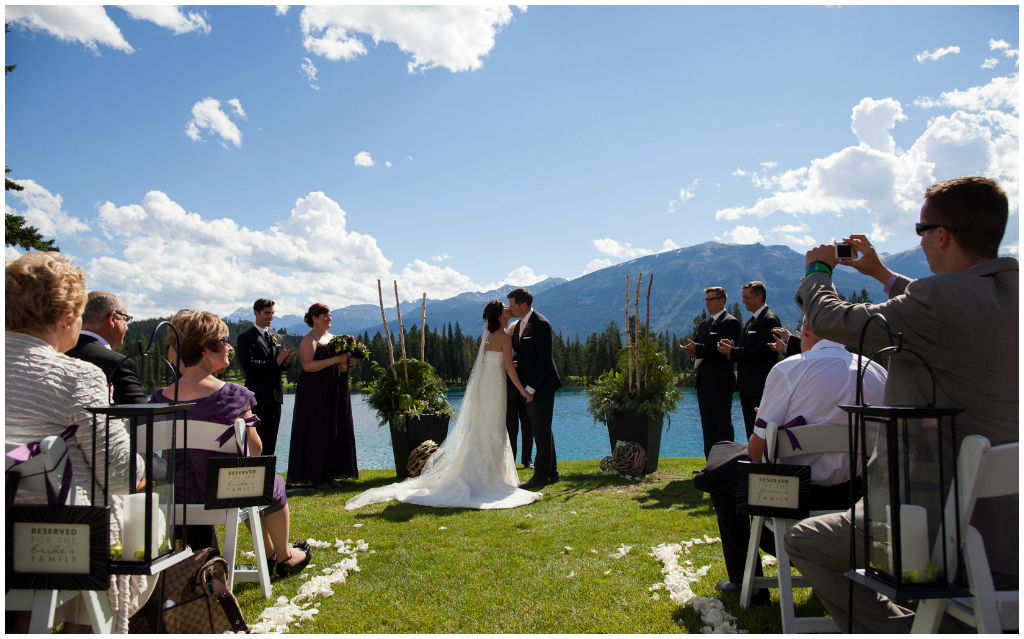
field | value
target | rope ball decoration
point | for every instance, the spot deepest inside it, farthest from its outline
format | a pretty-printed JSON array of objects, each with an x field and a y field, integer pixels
[
  {"x": 629, "y": 459},
  {"x": 606, "y": 464},
  {"x": 419, "y": 456}
]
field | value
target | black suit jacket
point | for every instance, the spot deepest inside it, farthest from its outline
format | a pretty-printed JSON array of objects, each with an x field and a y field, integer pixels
[
  {"x": 258, "y": 359},
  {"x": 127, "y": 389},
  {"x": 535, "y": 364},
  {"x": 715, "y": 374},
  {"x": 753, "y": 354}
]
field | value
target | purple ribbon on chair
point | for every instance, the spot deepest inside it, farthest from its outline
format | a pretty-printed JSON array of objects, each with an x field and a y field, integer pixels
[
  {"x": 25, "y": 452},
  {"x": 793, "y": 423},
  {"x": 230, "y": 432}
]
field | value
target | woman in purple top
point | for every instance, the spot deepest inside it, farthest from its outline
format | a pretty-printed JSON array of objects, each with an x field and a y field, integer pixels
[{"x": 204, "y": 351}]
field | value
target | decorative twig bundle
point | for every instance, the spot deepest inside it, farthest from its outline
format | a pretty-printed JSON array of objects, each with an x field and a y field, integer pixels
[
  {"x": 401, "y": 332},
  {"x": 387, "y": 333},
  {"x": 629, "y": 357},
  {"x": 637, "y": 330},
  {"x": 647, "y": 330}
]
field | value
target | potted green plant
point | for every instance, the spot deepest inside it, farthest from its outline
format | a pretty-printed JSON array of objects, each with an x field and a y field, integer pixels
[
  {"x": 415, "y": 410},
  {"x": 635, "y": 412}
]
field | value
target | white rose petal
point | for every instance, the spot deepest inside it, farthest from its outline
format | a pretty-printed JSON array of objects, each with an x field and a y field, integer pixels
[{"x": 357, "y": 525}]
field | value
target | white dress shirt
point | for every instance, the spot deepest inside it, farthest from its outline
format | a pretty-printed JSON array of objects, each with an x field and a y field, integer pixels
[{"x": 813, "y": 385}]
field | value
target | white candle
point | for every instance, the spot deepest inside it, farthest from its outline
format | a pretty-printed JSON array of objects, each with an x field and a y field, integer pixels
[
  {"x": 914, "y": 539},
  {"x": 134, "y": 534}
]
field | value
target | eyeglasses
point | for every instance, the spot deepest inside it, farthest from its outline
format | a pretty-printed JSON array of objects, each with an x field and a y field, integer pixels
[
  {"x": 923, "y": 228},
  {"x": 712, "y": 299},
  {"x": 125, "y": 316}
]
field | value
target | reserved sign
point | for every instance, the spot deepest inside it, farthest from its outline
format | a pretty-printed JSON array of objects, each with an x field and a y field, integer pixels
[
  {"x": 773, "y": 490},
  {"x": 241, "y": 482},
  {"x": 51, "y": 548}
]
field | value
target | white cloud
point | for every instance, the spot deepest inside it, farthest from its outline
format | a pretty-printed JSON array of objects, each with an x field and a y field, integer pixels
[
  {"x": 745, "y": 235},
  {"x": 522, "y": 276},
  {"x": 924, "y": 56},
  {"x": 788, "y": 234},
  {"x": 440, "y": 283},
  {"x": 410, "y": 157},
  {"x": 1010, "y": 249},
  {"x": 310, "y": 70},
  {"x": 207, "y": 114},
  {"x": 169, "y": 17},
  {"x": 11, "y": 253},
  {"x": 88, "y": 24},
  {"x": 887, "y": 183},
  {"x": 872, "y": 121},
  {"x": 454, "y": 37},
  {"x": 236, "y": 104},
  {"x": 1004, "y": 46},
  {"x": 363, "y": 159},
  {"x": 608, "y": 246},
  {"x": 44, "y": 210},
  {"x": 387, "y": 164},
  {"x": 769, "y": 165},
  {"x": 990, "y": 63},
  {"x": 669, "y": 245},
  {"x": 596, "y": 265},
  {"x": 281, "y": 9},
  {"x": 440, "y": 257},
  {"x": 685, "y": 193}
]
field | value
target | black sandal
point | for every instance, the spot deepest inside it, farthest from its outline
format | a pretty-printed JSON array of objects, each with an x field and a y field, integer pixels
[{"x": 284, "y": 570}]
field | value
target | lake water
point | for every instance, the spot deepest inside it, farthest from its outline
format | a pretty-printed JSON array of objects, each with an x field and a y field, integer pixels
[{"x": 577, "y": 436}]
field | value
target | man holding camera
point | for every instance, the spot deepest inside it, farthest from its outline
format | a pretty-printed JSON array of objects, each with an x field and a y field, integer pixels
[{"x": 963, "y": 321}]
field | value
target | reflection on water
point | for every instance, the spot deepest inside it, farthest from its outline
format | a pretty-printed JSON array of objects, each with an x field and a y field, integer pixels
[{"x": 576, "y": 434}]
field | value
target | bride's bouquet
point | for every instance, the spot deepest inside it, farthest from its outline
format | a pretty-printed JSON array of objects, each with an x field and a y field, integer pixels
[{"x": 346, "y": 344}]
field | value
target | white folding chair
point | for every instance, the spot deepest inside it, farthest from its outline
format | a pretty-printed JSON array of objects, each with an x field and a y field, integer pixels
[
  {"x": 49, "y": 466},
  {"x": 203, "y": 436},
  {"x": 813, "y": 438},
  {"x": 984, "y": 471}
]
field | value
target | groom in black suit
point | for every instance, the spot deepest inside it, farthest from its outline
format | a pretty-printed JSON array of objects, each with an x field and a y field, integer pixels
[
  {"x": 263, "y": 359},
  {"x": 715, "y": 378},
  {"x": 531, "y": 341},
  {"x": 753, "y": 351},
  {"x": 104, "y": 324}
]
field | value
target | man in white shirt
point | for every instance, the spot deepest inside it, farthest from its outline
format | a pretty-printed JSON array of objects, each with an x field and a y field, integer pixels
[{"x": 804, "y": 389}]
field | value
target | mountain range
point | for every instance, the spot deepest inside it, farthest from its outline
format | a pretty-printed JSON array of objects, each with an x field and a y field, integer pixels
[{"x": 587, "y": 304}]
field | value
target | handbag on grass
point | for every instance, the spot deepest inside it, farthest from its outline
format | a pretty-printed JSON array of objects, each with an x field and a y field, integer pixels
[{"x": 196, "y": 599}]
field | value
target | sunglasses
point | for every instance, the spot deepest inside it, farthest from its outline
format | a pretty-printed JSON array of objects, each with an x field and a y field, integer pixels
[
  {"x": 922, "y": 228},
  {"x": 225, "y": 340},
  {"x": 125, "y": 316}
]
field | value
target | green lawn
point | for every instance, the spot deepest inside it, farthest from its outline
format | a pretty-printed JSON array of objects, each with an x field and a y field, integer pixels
[{"x": 506, "y": 571}]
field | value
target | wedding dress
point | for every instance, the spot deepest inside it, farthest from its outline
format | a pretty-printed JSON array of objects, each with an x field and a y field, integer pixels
[{"x": 474, "y": 466}]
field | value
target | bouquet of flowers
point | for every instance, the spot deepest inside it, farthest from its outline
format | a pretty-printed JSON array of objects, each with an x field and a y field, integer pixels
[{"x": 346, "y": 344}]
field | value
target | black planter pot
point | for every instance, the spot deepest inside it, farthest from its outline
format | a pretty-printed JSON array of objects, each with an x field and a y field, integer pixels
[
  {"x": 417, "y": 431},
  {"x": 630, "y": 426}
]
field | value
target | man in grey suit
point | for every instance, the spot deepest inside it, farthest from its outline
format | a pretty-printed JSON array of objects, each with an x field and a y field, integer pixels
[{"x": 964, "y": 322}]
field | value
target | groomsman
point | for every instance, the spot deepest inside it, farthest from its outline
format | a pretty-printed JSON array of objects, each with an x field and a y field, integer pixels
[
  {"x": 263, "y": 360},
  {"x": 531, "y": 341},
  {"x": 715, "y": 378},
  {"x": 753, "y": 351}
]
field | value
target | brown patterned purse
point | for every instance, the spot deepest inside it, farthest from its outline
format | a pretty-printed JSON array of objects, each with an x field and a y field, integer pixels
[{"x": 196, "y": 599}]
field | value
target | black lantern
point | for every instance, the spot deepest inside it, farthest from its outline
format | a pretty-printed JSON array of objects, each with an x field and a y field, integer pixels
[
  {"x": 148, "y": 540},
  {"x": 911, "y": 471}
]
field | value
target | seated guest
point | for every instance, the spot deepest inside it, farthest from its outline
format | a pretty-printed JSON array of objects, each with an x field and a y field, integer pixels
[
  {"x": 104, "y": 323},
  {"x": 46, "y": 391},
  {"x": 811, "y": 386},
  {"x": 963, "y": 321},
  {"x": 204, "y": 350}
]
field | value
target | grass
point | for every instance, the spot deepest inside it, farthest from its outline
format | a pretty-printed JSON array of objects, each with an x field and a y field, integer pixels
[{"x": 500, "y": 571}]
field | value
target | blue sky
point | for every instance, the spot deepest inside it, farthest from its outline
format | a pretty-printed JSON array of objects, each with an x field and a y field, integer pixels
[{"x": 205, "y": 156}]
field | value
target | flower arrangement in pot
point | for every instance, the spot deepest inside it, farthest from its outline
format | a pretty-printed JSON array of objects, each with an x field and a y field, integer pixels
[{"x": 634, "y": 400}]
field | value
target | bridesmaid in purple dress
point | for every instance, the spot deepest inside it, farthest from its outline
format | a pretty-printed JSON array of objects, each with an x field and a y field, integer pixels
[{"x": 323, "y": 444}]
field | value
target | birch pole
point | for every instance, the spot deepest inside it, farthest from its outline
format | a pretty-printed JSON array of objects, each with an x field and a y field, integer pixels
[
  {"x": 387, "y": 333},
  {"x": 637, "y": 341},
  {"x": 401, "y": 332},
  {"x": 629, "y": 351},
  {"x": 423, "y": 336},
  {"x": 647, "y": 330}
]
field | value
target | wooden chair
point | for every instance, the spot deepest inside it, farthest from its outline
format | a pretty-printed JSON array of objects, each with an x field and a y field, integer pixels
[
  {"x": 203, "y": 436},
  {"x": 49, "y": 466},
  {"x": 984, "y": 471},
  {"x": 813, "y": 438}
]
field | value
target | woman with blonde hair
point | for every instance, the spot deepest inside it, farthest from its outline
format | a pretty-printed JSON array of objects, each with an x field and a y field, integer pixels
[
  {"x": 204, "y": 350},
  {"x": 47, "y": 391}
]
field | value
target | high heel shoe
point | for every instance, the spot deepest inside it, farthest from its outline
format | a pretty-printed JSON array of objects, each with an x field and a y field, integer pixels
[{"x": 284, "y": 570}]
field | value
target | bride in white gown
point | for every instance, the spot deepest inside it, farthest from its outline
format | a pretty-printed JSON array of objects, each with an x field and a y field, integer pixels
[{"x": 474, "y": 466}]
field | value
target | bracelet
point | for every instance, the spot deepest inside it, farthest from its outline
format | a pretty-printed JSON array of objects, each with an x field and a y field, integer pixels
[{"x": 818, "y": 267}]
